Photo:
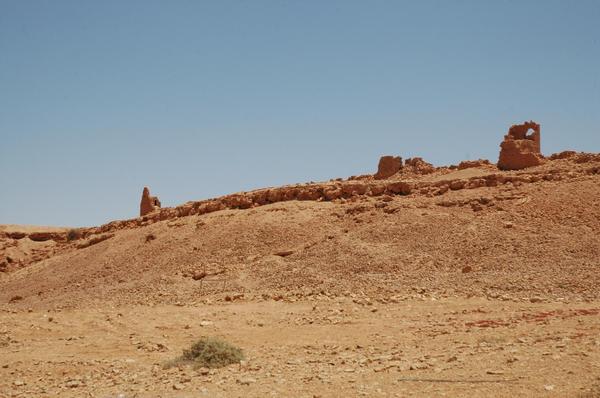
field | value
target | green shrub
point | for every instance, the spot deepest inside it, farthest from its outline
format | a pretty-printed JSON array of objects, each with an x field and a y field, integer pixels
[
  {"x": 209, "y": 352},
  {"x": 73, "y": 234}
]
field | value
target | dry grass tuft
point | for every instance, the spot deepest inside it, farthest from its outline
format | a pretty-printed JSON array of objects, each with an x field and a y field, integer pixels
[{"x": 209, "y": 352}]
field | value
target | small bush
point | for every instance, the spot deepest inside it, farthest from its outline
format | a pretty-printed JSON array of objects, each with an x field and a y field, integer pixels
[
  {"x": 209, "y": 352},
  {"x": 73, "y": 234}
]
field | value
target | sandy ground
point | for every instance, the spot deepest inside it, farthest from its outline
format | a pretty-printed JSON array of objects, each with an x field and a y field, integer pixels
[{"x": 325, "y": 347}]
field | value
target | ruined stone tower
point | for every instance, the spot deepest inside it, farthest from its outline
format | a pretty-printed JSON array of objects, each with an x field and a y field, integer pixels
[
  {"x": 148, "y": 203},
  {"x": 521, "y": 149}
]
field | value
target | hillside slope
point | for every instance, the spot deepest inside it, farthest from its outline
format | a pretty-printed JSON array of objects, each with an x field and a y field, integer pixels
[{"x": 526, "y": 235}]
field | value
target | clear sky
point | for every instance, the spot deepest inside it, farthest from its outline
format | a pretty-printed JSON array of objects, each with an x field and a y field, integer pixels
[{"x": 197, "y": 99}]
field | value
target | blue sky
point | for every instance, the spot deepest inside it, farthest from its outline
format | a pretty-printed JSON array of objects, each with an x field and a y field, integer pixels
[{"x": 198, "y": 99}]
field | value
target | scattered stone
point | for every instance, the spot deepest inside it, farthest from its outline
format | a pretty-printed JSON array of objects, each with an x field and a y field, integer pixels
[
  {"x": 246, "y": 381},
  {"x": 284, "y": 253},
  {"x": 44, "y": 236},
  {"x": 178, "y": 386},
  {"x": 16, "y": 235},
  {"x": 94, "y": 240},
  {"x": 563, "y": 155},
  {"x": 19, "y": 383},
  {"x": 400, "y": 187},
  {"x": 72, "y": 383},
  {"x": 535, "y": 300},
  {"x": 476, "y": 206},
  {"x": 206, "y": 323},
  {"x": 457, "y": 184},
  {"x": 418, "y": 366},
  {"x": 419, "y": 166},
  {"x": 467, "y": 164},
  {"x": 203, "y": 371},
  {"x": 199, "y": 275}
]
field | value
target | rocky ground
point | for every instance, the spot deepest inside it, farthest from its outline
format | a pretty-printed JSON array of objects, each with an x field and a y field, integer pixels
[
  {"x": 434, "y": 282},
  {"x": 323, "y": 347}
]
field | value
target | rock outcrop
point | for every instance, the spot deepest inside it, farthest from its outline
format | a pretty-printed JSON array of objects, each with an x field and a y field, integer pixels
[
  {"x": 388, "y": 166},
  {"x": 350, "y": 190},
  {"x": 521, "y": 149},
  {"x": 148, "y": 203}
]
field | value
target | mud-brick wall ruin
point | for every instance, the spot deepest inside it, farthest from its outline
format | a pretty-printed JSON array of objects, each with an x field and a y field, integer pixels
[
  {"x": 148, "y": 203},
  {"x": 520, "y": 148}
]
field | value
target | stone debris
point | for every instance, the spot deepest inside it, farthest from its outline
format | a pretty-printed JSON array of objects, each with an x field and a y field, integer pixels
[
  {"x": 246, "y": 380},
  {"x": 468, "y": 164},
  {"x": 419, "y": 166}
]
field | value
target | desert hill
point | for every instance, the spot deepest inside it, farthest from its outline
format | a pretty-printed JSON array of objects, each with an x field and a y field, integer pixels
[
  {"x": 467, "y": 280},
  {"x": 466, "y": 230}
]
